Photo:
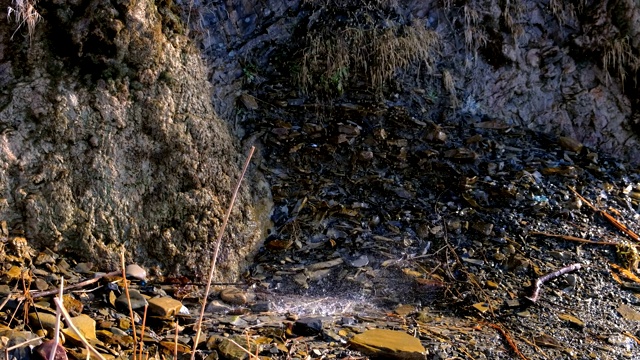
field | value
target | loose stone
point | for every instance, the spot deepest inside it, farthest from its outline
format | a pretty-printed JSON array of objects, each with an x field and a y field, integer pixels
[
  {"x": 233, "y": 296},
  {"x": 164, "y": 306},
  {"x": 308, "y": 326},
  {"x": 388, "y": 344},
  {"x": 137, "y": 300},
  {"x": 136, "y": 272}
]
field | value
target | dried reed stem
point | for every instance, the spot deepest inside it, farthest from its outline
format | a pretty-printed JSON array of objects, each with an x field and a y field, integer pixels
[
  {"x": 126, "y": 291},
  {"x": 552, "y": 275},
  {"x": 56, "y": 335},
  {"x": 67, "y": 319},
  {"x": 217, "y": 249},
  {"x": 175, "y": 344},
  {"x": 144, "y": 321}
]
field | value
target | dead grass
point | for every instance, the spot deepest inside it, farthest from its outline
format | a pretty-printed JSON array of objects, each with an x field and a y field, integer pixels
[
  {"x": 24, "y": 13},
  {"x": 449, "y": 86},
  {"x": 334, "y": 57},
  {"x": 619, "y": 56}
]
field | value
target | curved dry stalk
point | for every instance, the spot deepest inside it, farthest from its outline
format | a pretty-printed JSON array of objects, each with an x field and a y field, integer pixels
[
  {"x": 7, "y": 349},
  {"x": 144, "y": 321},
  {"x": 126, "y": 291},
  {"x": 56, "y": 335},
  {"x": 67, "y": 319},
  {"x": 175, "y": 343},
  {"x": 217, "y": 249}
]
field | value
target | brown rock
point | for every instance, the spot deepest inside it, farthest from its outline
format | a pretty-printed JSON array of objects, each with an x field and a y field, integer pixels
[
  {"x": 233, "y": 296},
  {"x": 43, "y": 320},
  {"x": 86, "y": 325},
  {"x": 570, "y": 144},
  {"x": 388, "y": 344},
  {"x": 136, "y": 271},
  {"x": 73, "y": 305},
  {"x": 46, "y": 348},
  {"x": 13, "y": 273},
  {"x": 164, "y": 306}
]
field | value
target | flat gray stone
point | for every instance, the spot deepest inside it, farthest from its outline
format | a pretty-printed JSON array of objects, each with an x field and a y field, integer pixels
[{"x": 137, "y": 300}]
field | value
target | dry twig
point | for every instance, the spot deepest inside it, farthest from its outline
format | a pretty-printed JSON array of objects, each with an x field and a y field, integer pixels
[
  {"x": 40, "y": 294},
  {"x": 67, "y": 319},
  {"x": 572, "y": 238},
  {"x": 175, "y": 343},
  {"x": 509, "y": 340},
  {"x": 126, "y": 291},
  {"x": 615, "y": 222},
  {"x": 56, "y": 335},
  {"x": 217, "y": 249},
  {"x": 552, "y": 275}
]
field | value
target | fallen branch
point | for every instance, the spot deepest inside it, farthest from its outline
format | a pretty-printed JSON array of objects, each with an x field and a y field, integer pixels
[
  {"x": 552, "y": 275},
  {"x": 67, "y": 319},
  {"x": 509, "y": 340},
  {"x": 40, "y": 294},
  {"x": 573, "y": 238},
  {"x": 615, "y": 222}
]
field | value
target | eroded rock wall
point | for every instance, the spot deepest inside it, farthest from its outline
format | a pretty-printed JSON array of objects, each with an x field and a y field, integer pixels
[
  {"x": 555, "y": 68},
  {"x": 108, "y": 139},
  {"x": 568, "y": 68}
]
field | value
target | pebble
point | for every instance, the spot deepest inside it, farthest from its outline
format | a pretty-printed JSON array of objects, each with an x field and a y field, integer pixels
[
  {"x": 13, "y": 273},
  {"x": 164, "y": 306},
  {"x": 87, "y": 327},
  {"x": 18, "y": 337},
  {"x": 361, "y": 261},
  {"x": 43, "y": 320},
  {"x": 46, "y": 348},
  {"x": 84, "y": 267},
  {"x": 262, "y": 307},
  {"x": 217, "y": 307},
  {"x": 137, "y": 300},
  {"x": 5, "y": 289},
  {"x": 72, "y": 305},
  {"x": 41, "y": 284},
  {"x": 136, "y": 271},
  {"x": 307, "y": 326},
  {"x": 325, "y": 264},
  {"x": 388, "y": 344},
  {"x": 301, "y": 280},
  {"x": 44, "y": 258},
  {"x": 347, "y": 320},
  {"x": 231, "y": 351},
  {"x": 233, "y": 296}
]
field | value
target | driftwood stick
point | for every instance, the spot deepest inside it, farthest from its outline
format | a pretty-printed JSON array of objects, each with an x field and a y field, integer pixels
[
  {"x": 552, "y": 275},
  {"x": 74, "y": 286}
]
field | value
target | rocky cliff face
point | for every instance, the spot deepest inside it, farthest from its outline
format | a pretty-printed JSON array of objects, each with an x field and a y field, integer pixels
[
  {"x": 109, "y": 137},
  {"x": 553, "y": 66},
  {"x": 109, "y": 140}
]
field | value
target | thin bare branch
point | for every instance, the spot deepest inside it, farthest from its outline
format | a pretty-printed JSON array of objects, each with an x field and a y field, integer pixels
[{"x": 217, "y": 249}]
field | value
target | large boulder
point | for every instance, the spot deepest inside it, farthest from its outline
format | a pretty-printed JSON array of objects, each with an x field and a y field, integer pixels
[{"x": 109, "y": 140}]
